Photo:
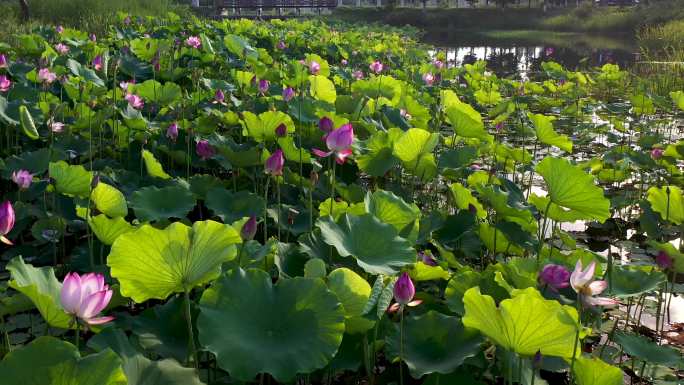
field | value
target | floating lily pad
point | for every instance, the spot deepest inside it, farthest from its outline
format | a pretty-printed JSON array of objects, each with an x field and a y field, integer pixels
[{"x": 153, "y": 204}]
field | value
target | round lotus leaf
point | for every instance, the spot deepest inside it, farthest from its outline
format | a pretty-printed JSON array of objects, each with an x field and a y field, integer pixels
[
  {"x": 353, "y": 291},
  {"x": 152, "y": 203},
  {"x": 254, "y": 326},
  {"x": 434, "y": 343}
]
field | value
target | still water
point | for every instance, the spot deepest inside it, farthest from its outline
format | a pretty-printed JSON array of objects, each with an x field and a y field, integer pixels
[{"x": 520, "y": 53}]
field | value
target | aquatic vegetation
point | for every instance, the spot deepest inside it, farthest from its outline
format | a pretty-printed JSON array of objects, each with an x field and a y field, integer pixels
[{"x": 193, "y": 201}]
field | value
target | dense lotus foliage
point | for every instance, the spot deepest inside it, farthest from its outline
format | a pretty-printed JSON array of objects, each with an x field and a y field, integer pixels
[{"x": 227, "y": 202}]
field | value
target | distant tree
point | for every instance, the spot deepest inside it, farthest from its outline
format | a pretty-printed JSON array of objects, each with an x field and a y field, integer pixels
[{"x": 23, "y": 4}]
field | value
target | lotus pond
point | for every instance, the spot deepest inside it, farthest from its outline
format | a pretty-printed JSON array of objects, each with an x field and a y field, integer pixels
[{"x": 233, "y": 202}]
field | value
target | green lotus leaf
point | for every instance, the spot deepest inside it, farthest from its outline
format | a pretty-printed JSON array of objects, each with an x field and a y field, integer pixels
[
  {"x": 642, "y": 105},
  {"x": 495, "y": 240},
  {"x": 631, "y": 281},
  {"x": 27, "y": 123},
  {"x": 379, "y": 86},
  {"x": 239, "y": 46},
  {"x": 73, "y": 180},
  {"x": 543, "y": 126},
  {"x": 107, "y": 230},
  {"x": 375, "y": 245},
  {"x": 109, "y": 200},
  {"x": 293, "y": 153},
  {"x": 233, "y": 206},
  {"x": 253, "y": 326},
  {"x": 391, "y": 209},
  {"x": 414, "y": 149},
  {"x": 466, "y": 278},
  {"x": 434, "y": 343},
  {"x": 153, "y": 263},
  {"x": 315, "y": 268},
  {"x": 572, "y": 190},
  {"x": 41, "y": 286},
  {"x": 77, "y": 69},
  {"x": 339, "y": 208},
  {"x": 678, "y": 99},
  {"x": 487, "y": 97},
  {"x": 153, "y": 91},
  {"x": 321, "y": 88},
  {"x": 668, "y": 202},
  {"x": 139, "y": 369},
  {"x": 353, "y": 291},
  {"x": 672, "y": 252},
  {"x": 379, "y": 157},
  {"x": 525, "y": 324},
  {"x": 50, "y": 361},
  {"x": 145, "y": 49},
  {"x": 262, "y": 127},
  {"x": 593, "y": 371},
  {"x": 154, "y": 168},
  {"x": 463, "y": 199},
  {"x": 647, "y": 350},
  {"x": 509, "y": 207},
  {"x": 424, "y": 272},
  {"x": 467, "y": 122},
  {"x": 153, "y": 204}
]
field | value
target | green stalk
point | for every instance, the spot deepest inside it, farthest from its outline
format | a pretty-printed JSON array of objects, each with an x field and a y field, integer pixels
[
  {"x": 268, "y": 181},
  {"x": 77, "y": 335},
  {"x": 401, "y": 345},
  {"x": 192, "y": 349}
]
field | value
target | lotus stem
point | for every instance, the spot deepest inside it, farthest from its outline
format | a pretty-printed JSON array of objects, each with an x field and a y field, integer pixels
[
  {"x": 280, "y": 208},
  {"x": 401, "y": 345},
  {"x": 192, "y": 349},
  {"x": 77, "y": 334},
  {"x": 268, "y": 181}
]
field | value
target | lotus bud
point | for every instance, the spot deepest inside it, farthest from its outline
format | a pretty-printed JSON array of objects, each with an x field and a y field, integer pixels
[
  {"x": 281, "y": 130},
  {"x": 314, "y": 67},
  {"x": 376, "y": 67},
  {"x": 288, "y": 94},
  {"x": 172, "y": 131},
  {"x": 204, "y": 149},
  {"x": 249, "y": 229},
  {"x": 657, "y": 153},
  {"x": 326, "y": 124},
  {"x": 274, "y": 163},
  {"x": 555, "y": 276},
  {"x": 5, "y": 83},
  {"x": 97, "y": 63},
  {"x": 404, "y": 289},
  {"x": 3, "y": 61},
  {"x": 6, "y": 221},
  {"x": 663, "y": 260},
  {"x": 263, "y": 86},
  {"x": 22, "y": 178}
]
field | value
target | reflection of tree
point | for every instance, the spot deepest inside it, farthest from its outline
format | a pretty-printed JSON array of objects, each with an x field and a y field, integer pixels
[{"x": 503, "y": 62}]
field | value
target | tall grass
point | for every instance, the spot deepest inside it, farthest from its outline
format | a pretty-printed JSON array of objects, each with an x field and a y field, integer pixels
[
  {"x": 662, "y": 56},
  {"x": 89, "y": 15}
]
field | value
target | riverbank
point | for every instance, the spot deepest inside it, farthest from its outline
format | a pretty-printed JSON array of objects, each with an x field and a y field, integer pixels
[{"x": 583, "y": 19}]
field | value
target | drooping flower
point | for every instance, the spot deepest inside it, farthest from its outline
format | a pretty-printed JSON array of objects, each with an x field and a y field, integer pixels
[
  {"x": 326, "y": 124},
  {"x": 274, "y": 164},
  {"x": 428, "y": 78},
  {"x": 84, "y": 297},
  {"x": 339, "y": 143},
  {"x": 314, "y": 67},
  {"x": 288, "y": 94},
  {"x": 219, "y": 97},
  {"x": 204, "y": 149},
  {"x": 582, "y": 281},
  {"x": 376, "y": 67},
  {"x": 554, "y": 276},
  {"x": 657, "y": 153},
  {"x": 263, "y": 86},
  {"x": 135, "y": 101},
  {"x": 3, "y": 61},
  {"x": 6, "y": 221},
  {"x": 281, "y": 130},
  {"x": 663, "y": 260},
  {"x": 193, "y": 41},
  {"x": 5, "y": 83},
  {"x": 358, "y": 74},
  {"x": 63, "y": 49},
  {"x": 97, "y": 63},
  {"x": 172, "y": 131},
  {"x": 22, "y": 178},
  {"x": 46, "y": 76},
  {"x": 281, "y": 45},
  {"x": 249, "y": 229}
]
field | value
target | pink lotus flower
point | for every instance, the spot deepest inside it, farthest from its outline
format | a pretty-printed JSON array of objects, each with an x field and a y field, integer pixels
[
  {"x": 62, "y": 49},
  {"x": 274, "y": 164},
  {"x": 56, "y": 127},
  {"x": 263, "y": 86},
  {"x": 204, "y": 149},
  {"x": 427, "y": 258},
  {"x": 325, "y": 124},
  {"x": 125, "y": 85},
  {"x": 358, "y": 75},
  {"x": 314, "y": 67},
  {"x": 582, "y": 281},
  {"x": 249, "y": 229},
  {"x": 288, "y": 94},
  {"x": 5, "y": 83},
  {"x": 6, "y": 221},
  {"x": 404, "y": 291},
  {"x": 554, "y": 276},
  {"x": 172, "y": 131},
  {"x": 59, "y": 29},
  {"x": 219, "y": 97},
  {"x": 46, "y": 76},
  {"x": 281, "y": 45},
  {"x": 22, "y": 178},
  {"x": 93, "y": 37},
  {"x": 281, "y": 130},
  {"x": 97, "y": 63},
  {"x": 3, "y": 61},
  {"x": 657, "y": 153},
  {"x": 84, "y": 297},
  {"x": 339, "y": 143},
  {"x": 193, "y": 41},
  {"x": 428, "y": 78},
  {"x": 663, "y": 260},
  {"x": 135, "y": 101},
  {"x": 344, "y": 62},
  {"x": 376, "y": 67},
  {"x": 438, "y": 64}
]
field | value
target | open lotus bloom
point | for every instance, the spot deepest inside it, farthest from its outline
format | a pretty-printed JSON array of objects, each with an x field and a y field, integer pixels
[
  {"x": 193, "y": 41},
  {"x": 85, "y": 297},
  {"x": 582, "y": 281},
  {"x": 339, "y": 143},
  {"x": 6, "y": 221},
  {"x": 5, "y": 83}
]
